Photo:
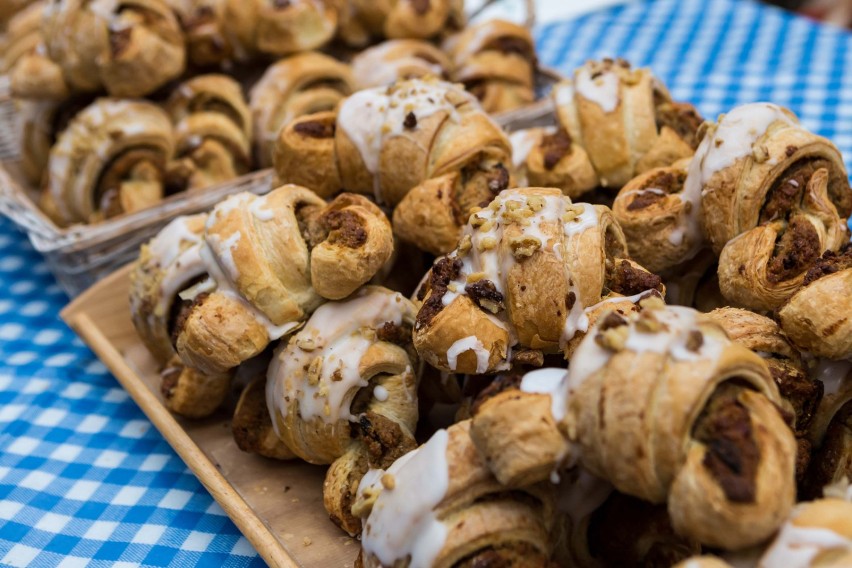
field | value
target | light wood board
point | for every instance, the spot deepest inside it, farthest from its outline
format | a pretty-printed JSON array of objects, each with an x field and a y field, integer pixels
[{"x": 277, "y": 505}]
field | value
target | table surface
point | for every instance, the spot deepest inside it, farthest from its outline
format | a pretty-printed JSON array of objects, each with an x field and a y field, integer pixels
[{"x": 84, "y": 477}]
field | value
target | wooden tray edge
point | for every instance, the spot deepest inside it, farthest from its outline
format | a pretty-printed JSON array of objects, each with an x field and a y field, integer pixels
[{"x": 222, "y": 491}]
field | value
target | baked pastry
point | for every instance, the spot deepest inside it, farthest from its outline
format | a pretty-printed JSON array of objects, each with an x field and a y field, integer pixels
[
  {"x": 548, "y": 157},
  {"x": 624, "y": 119},
  {"x": 800, "y": 394},
  {"x": 129, "y": 48},
  {"x": 252, "y": 424},
  {"x": 111, "y": 159},
  {"x": 343, "y": 391},
  {"x": 212, "y": 132},
  {"x": 364, "y": 20},
  {"x": 24, "y": 60},
  {"x": 831, "y": 431},
  {"x": 818, "y": 533},
  {"x": 301, "y": 84},
  {"x": 818, "y": 316},
  {"x": 697, "y": 427},
  {"x": 8, "y": 10},
  {"x": 659, "y": 219},
  {"x": 297, "y": 251},
  {"x": 385, "y": 141},
  {"x": 440, "y": 506},
  {"x": 397, "y": 60},
  {"x": 774, "y": 197},
  {"x": 496, "y": 61},
  {"x": 530, "y": 271}
]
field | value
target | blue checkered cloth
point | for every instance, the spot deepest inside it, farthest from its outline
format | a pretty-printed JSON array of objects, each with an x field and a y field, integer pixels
[{"x": 86, "y": 480}]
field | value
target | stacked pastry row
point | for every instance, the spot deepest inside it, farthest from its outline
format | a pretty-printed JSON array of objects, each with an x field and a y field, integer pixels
[
  {"x": 58, "y": 49},
  {"x": 702, "y": 424}
]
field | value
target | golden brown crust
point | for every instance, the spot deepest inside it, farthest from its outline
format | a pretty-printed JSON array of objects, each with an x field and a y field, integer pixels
[
  {"x": 192, "y": 393},
  {"x": 399, "y": 59},
  {"x": 304, "y": 154},
  {"x": 549, "y": 157},
  {"x": 252, "y": 425},
  {"x": 281, "y": 28},
  {"x": 419, "y": 19}
]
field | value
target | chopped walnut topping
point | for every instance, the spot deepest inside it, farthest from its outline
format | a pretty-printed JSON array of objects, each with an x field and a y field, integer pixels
[
  {"x": 536, "y": 203},
  {"x": 760, "y": 153},
  {"x": 614, "y": 338},
  {"x": 647, "y": 323},
  {"x": 694, "y": 340},
  {"x": 487, "y": 243},
  {"x": 388, "y": 481},
  {"x": 475, "y": 277},
  {"x": 524, "y": 246},
  {"x": 306, "y": 343},
  {"x": 652, "y": 302},
  {"x": 464, "y": 245},
  {"x": 314, "y": 371}
]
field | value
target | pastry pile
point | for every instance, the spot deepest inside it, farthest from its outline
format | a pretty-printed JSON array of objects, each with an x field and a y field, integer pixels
[
  {"x": 638, "y": 383},
  {"x": 182, "y": 95}
]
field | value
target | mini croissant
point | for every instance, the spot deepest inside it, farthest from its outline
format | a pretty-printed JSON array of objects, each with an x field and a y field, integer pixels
[
  {"x": 530, "y": 271},
  {"x": 363, "y": 20},
  {"x": 399, "y": 59},
  {"x": 548, "y": 157}
]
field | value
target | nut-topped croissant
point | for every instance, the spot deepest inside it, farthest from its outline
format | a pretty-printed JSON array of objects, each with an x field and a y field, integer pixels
[
  {"x": 399, "y": 59},
  {"x": 301, "y": 84},
  {"x": 343, "y": 391},
  {"x": 212, "y": 132},
  {"x": 111, "y": 159},
  {"x": 530, "y": 271},
  {"x": 624, "y": 119},
  {"x": 363, "y": 20},
  {"x": 818, "y": 316},
  {"x": 440, "y": 506},
  {"x": 773, "y": 198},
  {"x": 129, "y": 48},
  {"x": 496, "y": 61}
]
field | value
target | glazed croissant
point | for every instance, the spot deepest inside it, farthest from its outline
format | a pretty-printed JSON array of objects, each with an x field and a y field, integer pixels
[
  {"x": 774, "y": 197},
  {"x": 530, "y": 271},
  {"x": 548, "y": 157},
  {"x": 800, "y": 394},
  {"x": 818, "y": 316},
  {"x": 624, "y": 119},
  {"x": 440, "y": 506},
  {"x": 399, "y": 59},
  {"x": 212, "y": 132},
  {"x": 129, "y": 48},
  {"x": 111, "y": 159},
  {"x": 363, "y": 20},
  {"x": 496, "y": 61},
  {"x": 343, "y": 391},
  {"x": 667, "y": 409},
  {"x": 301, "y": 84}
]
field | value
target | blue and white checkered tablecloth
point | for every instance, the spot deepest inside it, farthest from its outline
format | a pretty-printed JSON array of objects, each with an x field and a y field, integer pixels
[{"x": 86, "y": 480}]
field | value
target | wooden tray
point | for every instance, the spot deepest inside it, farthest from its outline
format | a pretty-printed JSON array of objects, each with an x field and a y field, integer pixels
[{"x": 277, "y": 505}]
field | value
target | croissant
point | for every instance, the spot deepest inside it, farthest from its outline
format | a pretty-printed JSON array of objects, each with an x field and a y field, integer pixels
[
  {"x": 111, "y": 159},
  {"x": 529, "y": 271},
  {"x": 774, "y": 197},
  {"x": 624, "y": 119},
  {"x": 658, "y": 217},
  {"x": 31, "y": 73},
  {"x": 440, "y": 506},
  {"x": 397, "y": 60},
  {"x": 800, "y": 394},
  {"x": 252, "y": 424},
  {"x": 281, "y": 28},
  {"x": 212, "y": 132},
  {"x": 209, "y": 40},
  {"x": 363, "y": 20},
  {"x": 548, "y": 157},
  {"x": 343, "y": 391},
  {"x": 271, "y": 261},
  {"x": 129, "y": 48},
  {"x": 301, "y": 84},
  {"x": 385, "y": 141},
  {"x": 817, "y": 316},
  {"x": 8, "y": 10},
  {"x": 818, "y": 533},
  {"x": 496, "y": 61}
]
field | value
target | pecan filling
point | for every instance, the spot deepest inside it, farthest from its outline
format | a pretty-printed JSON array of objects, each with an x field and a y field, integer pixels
[
  {"x": 796, "y": 250},
  {"x": 733, "y": 454},
  {"x": 554, "y": 147},
  {"x": 485, "y": 295},
  {"x": 829, "y": 263},
  {"x": 626, "y": 279},
  {"x": 786, "y": 193},
  {"x": 832, "y": 460},
  {"x": 683, "y": 118},
  {"x": 667, "y": 182},
  {"x": 396, "y": 334},
  {"x": 383, "y": 438},
  {"x": 445, "y": 271},
  {"x": 344, "y": 228}
]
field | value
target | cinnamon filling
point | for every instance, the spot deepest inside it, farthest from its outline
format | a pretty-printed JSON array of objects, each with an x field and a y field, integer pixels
[
  {"x": 344, "y": 228},
  {"x": 481, "y": 182},
  {"x": 252, "y": 420},
  {"x": 393, "y": 333},
  {"x": 626, "y": 531},
  {"x": 796, "y": 250},
  {"x": 119, "y": 39},
  {"x": 786, "y": 193},
  {"x": 829, "y": 263},
  {"x": 733, "y": 454},
  {"x": 626, "y": 279},
  {"x": 554, "y": 147},
  {"x": 803, "y": 394},
  {"x": 832, "y": 461},
  {"x": 443, "y": 272},
  {"x": 383, "y": 439},
  {"x": 315, "y": 129},
  {"x": 485, "y": 295},
  {"x": 683, "y": 118},
  {"x": 667, "y": 182},
  {"x": 180, "y": 312}
]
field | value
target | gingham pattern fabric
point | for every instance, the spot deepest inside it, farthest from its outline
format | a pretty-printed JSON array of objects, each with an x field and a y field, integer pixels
[{"x": 86, "y": 480}]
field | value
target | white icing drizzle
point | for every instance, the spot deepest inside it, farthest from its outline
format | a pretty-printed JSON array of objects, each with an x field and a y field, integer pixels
[
  {"x": 469, "y": 343},
  {"x": 834, "y": 375},
  {"x": 549, "y": 381},
  {"x": 601, "y": 89},
  {"x": 371, "y": 116},
  {"x": 402, "y": 522},
  {"x": 563, "y": 94},
  {"x": 672, "y": 339},
  {"x": 380, "y": 393},
  {"x": 319, "y": 366},
  {"x": 733, "y": 138},
  {"x": 797, "y": 546},
  {"x": 840, "y": 489}
]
